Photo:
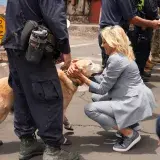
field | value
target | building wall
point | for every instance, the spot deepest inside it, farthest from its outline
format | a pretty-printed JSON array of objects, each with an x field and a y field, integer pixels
[{"x": 83, "y": 11}]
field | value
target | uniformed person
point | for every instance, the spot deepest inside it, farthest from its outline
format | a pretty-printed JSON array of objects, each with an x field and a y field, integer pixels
[
  {"x": 121, "y": 12},
  {"x": 38, "y": 96},
  {"x": 141, "y": 36}
]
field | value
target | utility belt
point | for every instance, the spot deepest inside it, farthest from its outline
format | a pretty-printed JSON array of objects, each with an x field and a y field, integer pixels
[{"x": 36, "y": 41}]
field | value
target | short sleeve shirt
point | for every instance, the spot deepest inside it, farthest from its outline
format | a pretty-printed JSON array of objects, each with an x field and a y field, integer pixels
[{"x": 116, "y": 12}]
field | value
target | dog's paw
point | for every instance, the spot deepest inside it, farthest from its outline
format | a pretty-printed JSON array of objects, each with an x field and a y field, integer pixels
[{"x": 69, "y": 127}]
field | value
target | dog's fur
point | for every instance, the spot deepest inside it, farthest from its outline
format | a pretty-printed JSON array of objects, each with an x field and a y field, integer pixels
[
  {"x": 69, "y": 87},
  {"x": 6, "y": 98}
]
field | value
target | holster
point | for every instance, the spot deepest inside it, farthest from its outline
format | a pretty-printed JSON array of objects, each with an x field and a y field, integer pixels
[
  {"x": 36, "y": 44},
  {"x": 26, "y": 32}
]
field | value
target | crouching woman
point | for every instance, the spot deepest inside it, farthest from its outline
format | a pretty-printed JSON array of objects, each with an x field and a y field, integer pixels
[{"x": 121, "y": 98}]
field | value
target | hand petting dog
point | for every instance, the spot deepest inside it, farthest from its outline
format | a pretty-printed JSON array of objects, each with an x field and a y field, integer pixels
[{"x": 74, "y": 71}]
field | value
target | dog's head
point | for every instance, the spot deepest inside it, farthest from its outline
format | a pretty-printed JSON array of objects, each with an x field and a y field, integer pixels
[{"x": 88, "y": 67}]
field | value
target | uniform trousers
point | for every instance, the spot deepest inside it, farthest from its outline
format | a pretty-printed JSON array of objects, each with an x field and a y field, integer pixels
[{"x": 38, "y": 101}]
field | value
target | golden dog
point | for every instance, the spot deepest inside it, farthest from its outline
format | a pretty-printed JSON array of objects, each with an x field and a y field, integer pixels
[{"x": 69, "y": 87}]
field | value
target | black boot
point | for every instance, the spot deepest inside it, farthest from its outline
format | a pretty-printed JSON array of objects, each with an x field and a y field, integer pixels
[
  {"x": 1, "y": 143},
  {"x": 30, "y": 147},
  {"x": 52, "y": 153}
]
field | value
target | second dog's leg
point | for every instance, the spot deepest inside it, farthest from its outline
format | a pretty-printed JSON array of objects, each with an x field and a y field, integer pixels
[{"x": 67, "y": 124}]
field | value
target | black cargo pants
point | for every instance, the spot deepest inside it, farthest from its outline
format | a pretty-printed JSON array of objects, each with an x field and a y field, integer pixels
[
  {"x": 141, "y": 42},
  {"x": 38, "y": 98}
]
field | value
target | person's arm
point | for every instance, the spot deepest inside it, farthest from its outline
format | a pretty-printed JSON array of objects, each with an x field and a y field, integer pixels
[
  {"x": 129, "y": 10},
  {"x": 54, "y": 15},
  {"x": 138, "y": 21},
  {"x": 114, "y": 70},
  {"x": 110, "y": 75}
]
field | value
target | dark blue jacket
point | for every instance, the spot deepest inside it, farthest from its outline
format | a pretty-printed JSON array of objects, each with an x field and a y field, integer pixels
[{"x": 52, "y": 12}]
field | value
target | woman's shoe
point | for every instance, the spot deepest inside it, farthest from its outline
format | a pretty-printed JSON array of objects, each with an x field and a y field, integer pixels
[
  {"x": 127, "y": 143},
  {"x": 135, "y": 127}
]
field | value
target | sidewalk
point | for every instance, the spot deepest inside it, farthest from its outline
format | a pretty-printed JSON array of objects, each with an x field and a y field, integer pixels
[{"x": 87, "y": 30}]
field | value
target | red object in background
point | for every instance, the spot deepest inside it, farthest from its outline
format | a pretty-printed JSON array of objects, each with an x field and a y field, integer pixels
[
  {"x": 95, "y": 11},
  {"x": 73, "y": 2}
]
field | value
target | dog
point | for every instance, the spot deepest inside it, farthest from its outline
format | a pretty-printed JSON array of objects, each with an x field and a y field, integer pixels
[
  {"x": 69, "y": 86},
  {"x": 6, "y": 98}
]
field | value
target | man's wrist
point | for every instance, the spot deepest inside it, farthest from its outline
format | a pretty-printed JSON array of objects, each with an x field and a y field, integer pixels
[{"x": 138, "y": 21}]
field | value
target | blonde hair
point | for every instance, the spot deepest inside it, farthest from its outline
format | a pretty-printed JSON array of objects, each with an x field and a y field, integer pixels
[{"x": 116, "y": 38}]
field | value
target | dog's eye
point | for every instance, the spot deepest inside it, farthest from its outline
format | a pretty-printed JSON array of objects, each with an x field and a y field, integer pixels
[{"x": 90, "y": 64}]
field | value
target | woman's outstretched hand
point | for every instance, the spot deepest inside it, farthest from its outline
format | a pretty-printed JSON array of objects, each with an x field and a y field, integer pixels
[{"x": 74, "y": 71}]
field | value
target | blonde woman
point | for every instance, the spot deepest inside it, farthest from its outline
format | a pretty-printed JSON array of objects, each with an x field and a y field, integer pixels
[{"x": 121, "y": 98}]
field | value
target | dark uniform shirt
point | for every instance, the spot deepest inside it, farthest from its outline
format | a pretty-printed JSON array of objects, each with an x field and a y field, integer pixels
[
  {"x": 116, "y": 12},
  {"x": 149, "y": 10},
  {"x": 52, "y": 12}
]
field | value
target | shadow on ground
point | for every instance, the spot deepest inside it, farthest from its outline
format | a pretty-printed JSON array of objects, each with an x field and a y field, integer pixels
[
  {"x": 9, "y": 148},
  {"x": 103, "y": 142}
]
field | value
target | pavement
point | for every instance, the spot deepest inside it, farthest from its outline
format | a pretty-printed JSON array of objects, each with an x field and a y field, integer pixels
[
  {"x": 91, "y": 141},
  {"x": 87, "y": 30}
]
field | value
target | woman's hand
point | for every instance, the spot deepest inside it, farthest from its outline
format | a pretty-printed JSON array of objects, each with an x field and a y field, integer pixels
[
  {"x": 75, "y": 72},
  {"x": 73, "y": 67}
]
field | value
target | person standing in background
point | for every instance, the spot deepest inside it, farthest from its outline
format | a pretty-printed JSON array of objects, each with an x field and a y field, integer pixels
[
  {"x": 142, "y": 36},
  {"x": 122, "y": 13}
]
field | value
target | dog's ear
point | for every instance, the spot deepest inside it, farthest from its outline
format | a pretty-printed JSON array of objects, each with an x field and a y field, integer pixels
[{"x": 74, "y": 60}]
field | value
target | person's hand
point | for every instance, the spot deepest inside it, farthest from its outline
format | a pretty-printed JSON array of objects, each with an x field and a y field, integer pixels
[
  {"x": 156, "y": 24},
  {"x": 78, "y": 73},
  {"x": 72, "y": 67},
  {"x": 67, "y": 61},
  {"x": 74, "y": 71}
]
